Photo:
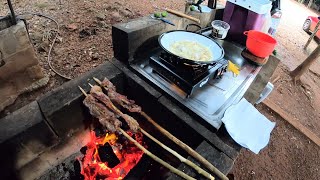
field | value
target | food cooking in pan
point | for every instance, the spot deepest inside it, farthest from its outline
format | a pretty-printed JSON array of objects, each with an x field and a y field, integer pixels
[{"x": 191, "y": 50}]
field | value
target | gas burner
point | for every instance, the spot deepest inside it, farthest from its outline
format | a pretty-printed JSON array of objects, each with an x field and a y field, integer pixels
[
  {"x": 188, "y": 77},
  {"x": 205, "y": 90},
  {"x": 185, "y": 69}
]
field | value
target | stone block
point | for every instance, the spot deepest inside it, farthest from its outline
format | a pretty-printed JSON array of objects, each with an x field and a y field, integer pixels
[
  {"x": 134, "y": 80},
  {"x": 19, "y": 67},
  {"x": 201, "y": 127},
  {"x": 142, "y": 32},
  {"x": 13, "y": 39},
  {"x": 18, "y": 63},
  {"x": 24, "y": 135},
  {"x": 261, "y": 80},
  {"x": 63, "y": 106},
  {"x": 215, "y": 157},
  {"x": 19, "y": 121}
]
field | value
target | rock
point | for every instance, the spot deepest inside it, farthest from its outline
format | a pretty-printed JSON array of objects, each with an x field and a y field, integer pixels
[
  {"x": 116, "y": 16},
  {"x": 52, "y": 8},
  {"x": 72, "y": 27},
  {"x": 100, "y": 16},
  {"x": 36, "y": 37},
  {"x": 126, "y": 12},
  {"x": 103, "y": 24},
  {"x": 95, "y": 56},
  {"x": 52, "y": 74},
  {"x": 87, "y": 32}
]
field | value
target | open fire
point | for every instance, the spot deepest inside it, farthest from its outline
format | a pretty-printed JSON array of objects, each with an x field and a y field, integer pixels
[
  {"x": 109, "y": 156},
  {"x": 128, "y": 151}
]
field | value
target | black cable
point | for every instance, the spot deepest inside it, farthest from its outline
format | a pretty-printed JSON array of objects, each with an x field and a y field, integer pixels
[
  {"x": 13, "y": 16},
  {"x": 53, "y": 42}
]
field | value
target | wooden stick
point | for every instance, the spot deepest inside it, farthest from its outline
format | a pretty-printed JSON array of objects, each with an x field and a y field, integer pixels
[
  {"x": 187, "y": 148},
  {"x": 184, "y": 146},
  {"x": 154, "y": 157},
  {"x": 183, "y": 15},
  {"x": 181, "y": 158},
  {"x": 174, "y": 170}
]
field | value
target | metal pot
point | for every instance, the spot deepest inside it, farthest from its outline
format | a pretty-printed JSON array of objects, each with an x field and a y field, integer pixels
[{"x": 167, "y": 39}]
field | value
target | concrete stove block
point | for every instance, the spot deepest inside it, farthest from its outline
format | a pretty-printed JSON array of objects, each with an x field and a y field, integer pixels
[
  {"x": 63, "y": 108},
  {"x": 24, "y": 135},
  {"x": 261, "y": 80},
  {"x": 19, "y": 68},
  {"x": 200, "y": 126},
  {"x": 218, "y": 159},
  {"x": 129, "y": 37}
]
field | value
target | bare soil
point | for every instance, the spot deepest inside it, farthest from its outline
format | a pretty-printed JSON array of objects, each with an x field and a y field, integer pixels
[
  {"x": 84, "y": 42},
  {"x": 289, "y": 155},
  {"x": 301, "y": 100}
]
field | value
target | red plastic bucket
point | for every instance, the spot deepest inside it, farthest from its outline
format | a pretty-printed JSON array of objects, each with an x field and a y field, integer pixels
[{"x": 260, "y": 44}]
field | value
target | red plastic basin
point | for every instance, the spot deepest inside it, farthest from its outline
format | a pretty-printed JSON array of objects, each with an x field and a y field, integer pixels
[{"x": 260, "y": 44}]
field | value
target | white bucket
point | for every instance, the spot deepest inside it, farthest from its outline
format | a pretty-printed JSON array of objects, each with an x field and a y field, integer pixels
[{"x": 220, "y": 29}]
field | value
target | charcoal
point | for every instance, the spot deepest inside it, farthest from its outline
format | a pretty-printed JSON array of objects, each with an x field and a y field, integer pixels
[
  {"x": 76, "y": 174},
  {"x": 99, "y": 131},
  {"x": 106, "y": 154},
  {"x": 83, "y": 150}
]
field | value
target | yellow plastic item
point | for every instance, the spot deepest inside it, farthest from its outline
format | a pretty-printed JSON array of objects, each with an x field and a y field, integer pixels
[{"x": 233, "y": 68}]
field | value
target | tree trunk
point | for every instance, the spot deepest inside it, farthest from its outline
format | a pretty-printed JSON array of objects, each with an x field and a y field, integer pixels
[
  {"x": 304, "y": 66},
  {"x": 312, "y": 35}
]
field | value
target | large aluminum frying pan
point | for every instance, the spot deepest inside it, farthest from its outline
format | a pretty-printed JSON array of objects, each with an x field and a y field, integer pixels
[{"x": 168, "y": 38}]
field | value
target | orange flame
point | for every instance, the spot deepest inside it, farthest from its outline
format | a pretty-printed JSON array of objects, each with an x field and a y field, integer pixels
[{"x": 129, "y": 156}]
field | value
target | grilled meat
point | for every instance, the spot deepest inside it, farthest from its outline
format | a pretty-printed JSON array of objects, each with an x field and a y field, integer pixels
[
  {"x": 97, "y": 93},
  {"x": 106, "y": 117},
  {"x": 119, "y": 98},
  {"x": 108, "y": 84},
  {"x": 124, "y": 101}
]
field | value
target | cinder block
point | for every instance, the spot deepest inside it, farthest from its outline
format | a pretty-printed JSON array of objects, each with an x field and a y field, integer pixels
[
  {"x": 19, "y": 67},
  {"x": 13, "y": 39},
  {"x": 215, "y": 157},
  {"x": 128, "y": 37},
  {"x": 63, "y": 107},
  {"x": 261, "y": 80},
  {"x": 24, "y": 135}
]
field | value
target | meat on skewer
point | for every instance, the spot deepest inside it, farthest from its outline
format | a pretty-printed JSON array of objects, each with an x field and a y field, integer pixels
[
  {"x": 96, "y": 92},
  {"x": 110, "y": 87},
  {"x": 105, "y": 116},
  {"x": 119, "y": 98},
  {"x": 108, "y": 84}
]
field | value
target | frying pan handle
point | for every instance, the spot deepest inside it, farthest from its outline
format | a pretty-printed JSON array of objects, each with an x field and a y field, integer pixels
[
  {"x": 246, "y": 33},
  {"x": 187, "y": 27}
]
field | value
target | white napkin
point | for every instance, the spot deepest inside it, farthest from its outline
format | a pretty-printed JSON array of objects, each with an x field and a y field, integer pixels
[{"x": 247, "y": 126}]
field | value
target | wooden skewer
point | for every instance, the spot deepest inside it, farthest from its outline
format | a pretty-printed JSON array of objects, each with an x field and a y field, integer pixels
[
  {"x": 181, "y": 158},
  {"x": 174, "y": 170},
  {"x": 183, "y": 15},
  {"x": 154, "y": 157},
  {"x": 187, "y": 148},
  {"x": 184, "y": 146}
]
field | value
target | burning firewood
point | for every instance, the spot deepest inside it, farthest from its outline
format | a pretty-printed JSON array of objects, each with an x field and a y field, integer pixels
[
  {"x": 123, "y": 99},
  {"x": 97, "y": 113}
]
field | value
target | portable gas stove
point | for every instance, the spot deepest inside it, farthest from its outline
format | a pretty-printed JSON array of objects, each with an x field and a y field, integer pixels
[
  {"x": 188, "y": 77},
  {"x": 207, "y": 90}
]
